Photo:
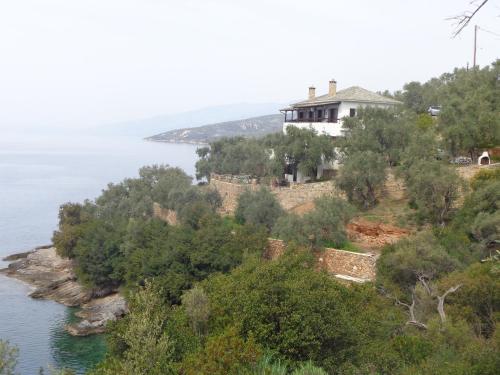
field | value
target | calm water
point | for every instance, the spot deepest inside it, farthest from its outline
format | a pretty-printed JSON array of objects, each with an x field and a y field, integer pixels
[{"x": 37, "y": 174}]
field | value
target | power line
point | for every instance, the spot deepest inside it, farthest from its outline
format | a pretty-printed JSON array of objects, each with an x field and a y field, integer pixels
[{"x": 488, "y": 31}]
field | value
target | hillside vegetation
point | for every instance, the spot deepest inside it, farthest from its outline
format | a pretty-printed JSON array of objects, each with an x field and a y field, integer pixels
[{"x": 204, "y": 301}]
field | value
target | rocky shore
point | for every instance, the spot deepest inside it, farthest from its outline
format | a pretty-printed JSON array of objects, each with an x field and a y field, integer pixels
[{"x": 52, "y": 277}]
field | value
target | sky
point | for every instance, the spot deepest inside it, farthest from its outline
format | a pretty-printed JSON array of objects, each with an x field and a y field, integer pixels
[{"x": 79, "y": 63}]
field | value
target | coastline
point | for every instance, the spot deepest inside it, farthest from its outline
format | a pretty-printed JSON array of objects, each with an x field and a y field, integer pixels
[
  {"x": 178, "y": 142},
  {"x": 52, "y": 277}
]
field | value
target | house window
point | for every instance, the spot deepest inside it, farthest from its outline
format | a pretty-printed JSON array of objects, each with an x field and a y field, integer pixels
[
  {"x": 320, "y": 113},
  {"x": 311, "y": 115},
  {"x": 352, "y": 112},
  {"x": 301, "y": 115}
]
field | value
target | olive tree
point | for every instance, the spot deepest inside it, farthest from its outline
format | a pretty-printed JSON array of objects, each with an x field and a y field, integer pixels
[
  {"x": 304, "y": 150},
  {"x": 469, "y": 118},
  {"x": 383, "y": 131},
  {"x": 361, "y": 177},
  {"x": 434, "y": 187},
  {"x": 414, "y": 265}
]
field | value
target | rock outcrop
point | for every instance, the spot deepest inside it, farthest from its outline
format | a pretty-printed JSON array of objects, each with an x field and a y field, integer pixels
[
  {"x": 96, "y": 313},
  {"x": 52, "y": 277}
]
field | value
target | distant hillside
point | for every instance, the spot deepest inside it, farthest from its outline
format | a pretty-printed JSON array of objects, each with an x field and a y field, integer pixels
[
  {"x": 210, "y": 115},
  {"x": 250, "y": 127}
]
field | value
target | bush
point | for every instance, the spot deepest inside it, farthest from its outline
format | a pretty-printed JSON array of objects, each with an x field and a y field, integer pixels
[
  {"x": 72, "y": 220},
  {"x": 479, "y": 218},
  {"x": 98, "y": 254},
  {"x": 8, "y": 358},
  {"x": 290, "y": 228},
  {"x": 297, "y": 312},
  {"x": 325, "y": 225},
  {"x": 144, "y": 331},
  {"x": 176, "y": 257},
  {"x": 196, "y": 305},
  {"x": 258, "y": 208},
  {"x": 478, "y": 300},
  {"x": 421, "y": 255},
  {"x": 227, "y": 353},
  {"x": 484, "y": 177}
]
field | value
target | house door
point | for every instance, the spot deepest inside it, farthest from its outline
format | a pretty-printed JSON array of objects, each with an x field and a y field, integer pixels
[{"x": 333, "y": 115}]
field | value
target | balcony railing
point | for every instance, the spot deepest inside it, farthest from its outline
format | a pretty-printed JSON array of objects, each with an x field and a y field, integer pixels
[{"x": 315, "y": 119}]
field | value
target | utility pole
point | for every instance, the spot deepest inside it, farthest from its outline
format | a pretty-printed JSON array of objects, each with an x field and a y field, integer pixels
[{"x": 475, "y": 46}]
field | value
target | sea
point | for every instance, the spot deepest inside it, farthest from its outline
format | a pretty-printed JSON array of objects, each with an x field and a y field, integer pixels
[{"x": 38, "y": 173}]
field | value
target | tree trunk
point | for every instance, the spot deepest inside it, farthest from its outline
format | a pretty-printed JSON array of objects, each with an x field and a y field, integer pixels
[
  {"x": 411, "y": 312},
  {"x": 440, "y": 306}
]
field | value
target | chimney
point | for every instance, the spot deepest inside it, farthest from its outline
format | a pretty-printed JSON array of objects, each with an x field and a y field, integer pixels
[
  {"x": 312, "y": 92},
  {"x": 332, "y": 90}
]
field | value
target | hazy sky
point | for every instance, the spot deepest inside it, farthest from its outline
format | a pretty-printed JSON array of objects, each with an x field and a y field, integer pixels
[{"x": 87, "y": 62}]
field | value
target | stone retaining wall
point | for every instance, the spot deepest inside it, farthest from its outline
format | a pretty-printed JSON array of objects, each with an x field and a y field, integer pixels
[
  {"x": 230, "y": 188},
  {"x": 169, "y": 216},
  {"x": 289, "y": 197},
  {"x": 230, "y": 192},
  {"x": 298, "y": 194},
  {"x": 358, "y": 267}
]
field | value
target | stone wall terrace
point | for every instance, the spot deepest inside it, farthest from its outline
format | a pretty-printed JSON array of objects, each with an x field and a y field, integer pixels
[
  {"x": 230, "y": 188},
  {"x": 169, "y": 216},
  {"x": 345, "y": 265}
]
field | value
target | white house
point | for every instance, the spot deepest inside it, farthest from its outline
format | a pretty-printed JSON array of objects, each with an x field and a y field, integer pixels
[{"x": 325, "y": 113}]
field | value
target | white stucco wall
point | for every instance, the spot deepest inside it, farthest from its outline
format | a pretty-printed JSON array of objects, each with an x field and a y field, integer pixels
[
  {"x": 328, "y": 128},
  {"x": 344, "y": 107}
]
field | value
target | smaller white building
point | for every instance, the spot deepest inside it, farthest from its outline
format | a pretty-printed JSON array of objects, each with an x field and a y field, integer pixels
[{"x": 325, "y": 113}]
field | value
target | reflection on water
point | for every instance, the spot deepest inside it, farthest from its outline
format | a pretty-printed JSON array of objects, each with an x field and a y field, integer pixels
[{"x": 77, "y": 353}]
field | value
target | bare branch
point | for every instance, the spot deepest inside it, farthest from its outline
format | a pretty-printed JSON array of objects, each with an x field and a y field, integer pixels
[
  {"x": 422, "y": 278},
  {"x": 462, "y": 20},
  {"x": 440, "y": 306},
  {"x": 411, "y": 312}
]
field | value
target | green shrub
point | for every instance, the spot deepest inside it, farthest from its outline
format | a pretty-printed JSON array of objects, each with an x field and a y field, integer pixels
[
  {"x": 483, "y": 177},
  {"x": 323, "y": 226},
  {"x": 227, "y": 353},
  {"x": 258, "y": 208},
  {"x": 8, "y": 358}
]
